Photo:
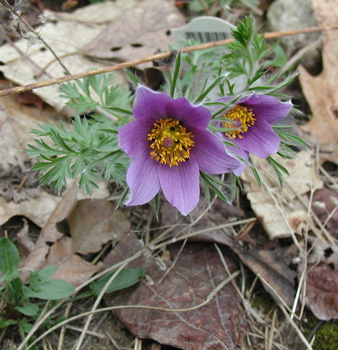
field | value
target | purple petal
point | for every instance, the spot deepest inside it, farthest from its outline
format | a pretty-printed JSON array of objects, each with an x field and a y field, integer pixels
[
  {"x": 267, "y": 107},
  {"x": 241, "y": 153},
  {"x": 211, "y": 154},
  {"x": 260, "y": 139},
  {"x": 142, "y": 179},
  {"x": 192, "y": 116},
  {"x": 133, "y": 137},
  {"x": 150, "y": 104},
  {"x": 180, "y": 185}
]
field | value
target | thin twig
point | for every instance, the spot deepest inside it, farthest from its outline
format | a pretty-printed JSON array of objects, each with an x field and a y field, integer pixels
[{"x": 272, "y": 35}]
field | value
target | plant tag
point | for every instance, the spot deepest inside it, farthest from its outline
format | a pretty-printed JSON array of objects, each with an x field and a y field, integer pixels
[{"x": 204, "y": 29}]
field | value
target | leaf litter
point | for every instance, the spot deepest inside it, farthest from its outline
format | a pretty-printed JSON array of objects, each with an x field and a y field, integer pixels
[
  {"x": 220, "y": 324},
  {"x": 321, "y": 91}
]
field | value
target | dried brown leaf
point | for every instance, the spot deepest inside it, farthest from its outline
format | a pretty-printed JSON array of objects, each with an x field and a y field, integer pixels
[
  {"x": 322, "y": 291},
  {"x": 25, "y": 243},
  {"x": 36, "y": 259},
  {"x": 196, "y": 272},
  {"x": 141, "y": 31},
  {"x": 279, "y": 208},
  {"x": 217, "y": 215},
  {"x": 272, "y": 268},
  {"x": 94, "y": 223},
  {"x": 70, "y": 267},
  {"x": 50, "y": 232},
  {"x": 321, "y": 91},
  {"x": 325, "y": 203}
]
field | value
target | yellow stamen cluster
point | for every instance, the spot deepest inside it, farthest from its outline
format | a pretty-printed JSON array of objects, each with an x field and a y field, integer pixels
[
  {"x": 242, "y": 117},
  {"x": 171, "y": 143}
]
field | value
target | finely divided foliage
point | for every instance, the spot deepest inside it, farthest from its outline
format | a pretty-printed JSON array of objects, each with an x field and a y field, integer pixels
[{"x": 214, "y": 116}]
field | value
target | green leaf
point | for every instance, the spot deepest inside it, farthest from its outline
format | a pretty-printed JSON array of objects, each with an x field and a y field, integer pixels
[
  {"x": 207, "y": 191},
  {"x": 28, "y": 309},
  {"x": 125, "y": 279},
  {"x": 157, "y": 206},
  {"x": 5, "y": 323},
  {"x": 255, "y": 172},
  {"x": 10, "y": 259},
  {"x": 53, "y": 289},
  {"x": 40, "y": 276},
  {"x": 176, "y": 74},
  {"x": 273, "y": 162},
  {"x": 208, "y": 89},
  {"x": 212, "y": 182},
  {"x": 290, "y": 137}
]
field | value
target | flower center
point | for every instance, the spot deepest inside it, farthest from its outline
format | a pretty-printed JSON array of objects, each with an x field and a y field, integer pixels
[
  {"x": 242, "y": 117},
  {"x": 171, "y": 143}
]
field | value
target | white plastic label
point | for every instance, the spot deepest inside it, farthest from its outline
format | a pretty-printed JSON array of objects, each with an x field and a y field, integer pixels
[{"x": 205, "y": 29}]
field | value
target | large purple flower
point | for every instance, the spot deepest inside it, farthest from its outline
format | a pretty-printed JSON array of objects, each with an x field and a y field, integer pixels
[
  {"x": 252, "y": 118},
  {"x": 169, "y": 144}
]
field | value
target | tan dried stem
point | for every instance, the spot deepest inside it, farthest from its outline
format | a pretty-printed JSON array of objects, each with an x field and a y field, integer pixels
[{"x": 272, "y": 35}]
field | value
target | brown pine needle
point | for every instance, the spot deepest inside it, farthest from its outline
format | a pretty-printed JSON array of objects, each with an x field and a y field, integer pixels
[{"x": 119, "y": 66}]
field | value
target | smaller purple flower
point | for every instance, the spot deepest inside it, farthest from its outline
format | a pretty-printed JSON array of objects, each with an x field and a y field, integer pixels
[
  {"x": 169, "y": 146},
  {"x": 252, "y": 117}
]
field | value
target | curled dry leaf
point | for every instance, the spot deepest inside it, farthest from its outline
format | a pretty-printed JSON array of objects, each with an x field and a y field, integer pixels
[
  {"x": 36, "y": 259},
  {"x": 94, "y": 223},
  {"x": 272, "y": 268},
  {"x": 220, "y": 324},
  {"x": 70, "y": 267},
  {"x": 321, "y": 91},
  {"x": 322, "y": 291}
]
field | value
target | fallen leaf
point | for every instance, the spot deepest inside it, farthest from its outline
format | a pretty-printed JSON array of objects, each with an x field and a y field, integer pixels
[
  {"x": 25, "y": 243},
  {"x": 279, "y": 208},
  {"x": 98, "y": 13},
  {"x": 140, "y": 32},
  {"x": 67, "y": 37},
  {"x": 94, "y": 223},
  {"x": 50, "y": 232},
  {"x": 197, "y": 271},
  {"x": 16, "y": 121},
  {"x": 322, "y": 291},
  {"x": 219, "y": 214},
  {"x": 36, "y": 259},
  {"x": 321, "y": 91},
  {"x": 272, "y": 268},
  {"x": 70, "y": 267},
  {"x": 37, "y": 209},
  {"x": 325, "y": 204}
]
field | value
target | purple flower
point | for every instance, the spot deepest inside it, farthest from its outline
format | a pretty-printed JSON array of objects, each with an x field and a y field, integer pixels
[
  {"x": 169, "y": 145},
  {"x": 252, "y": 117}
]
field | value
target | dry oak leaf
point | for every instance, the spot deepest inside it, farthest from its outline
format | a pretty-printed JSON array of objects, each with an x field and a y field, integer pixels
[
  {"x": 141, "y": 31},
  {"x": 70, "y": 267},
  {"x": 220, "y": 324},
  {"x": 272, "y": 268},
  {"x": 321, "y": 91},
  {"x": 278, "y": 208},
  {"x": 322, "y": 291},
  {"x": 95, "y": 222}
]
